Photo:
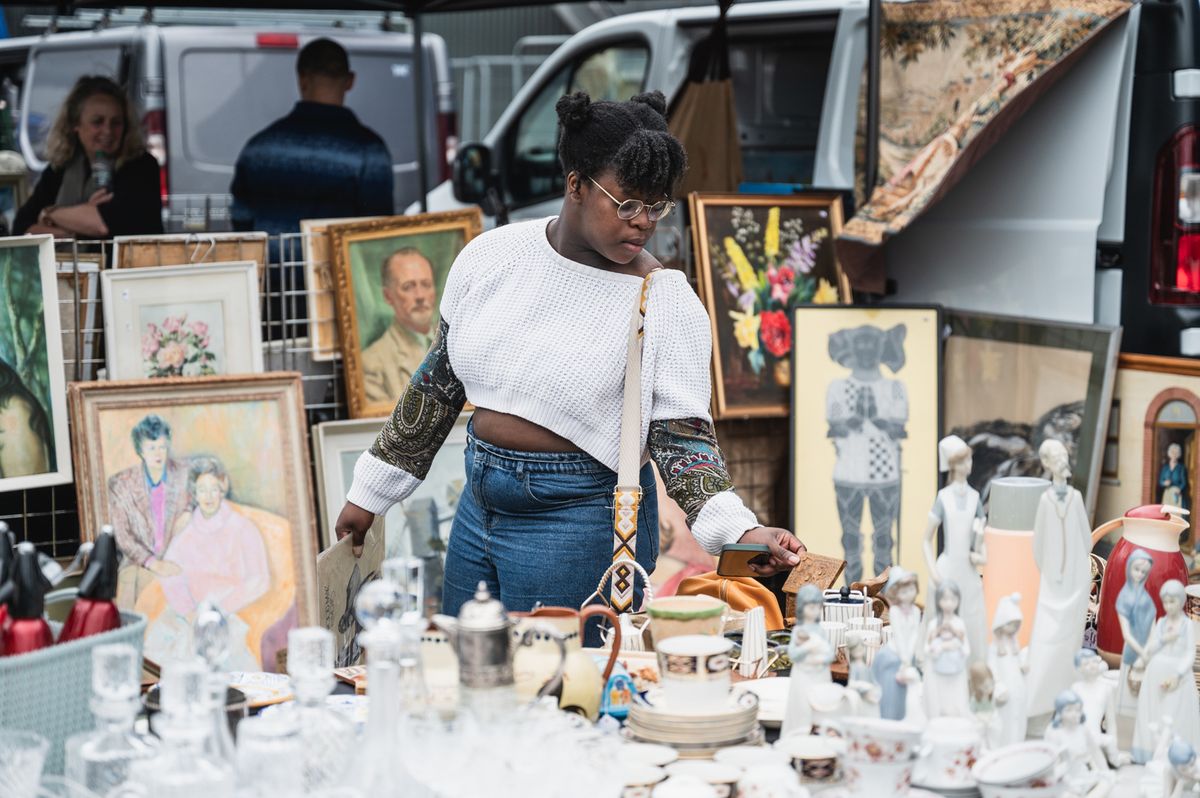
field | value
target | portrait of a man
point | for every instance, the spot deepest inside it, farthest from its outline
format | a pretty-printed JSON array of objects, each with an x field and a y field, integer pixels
[{"x": 409, "y": 289}]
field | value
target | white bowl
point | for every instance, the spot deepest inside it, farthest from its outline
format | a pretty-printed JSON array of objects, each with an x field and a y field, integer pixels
[{"x": 1016, "y": 765}]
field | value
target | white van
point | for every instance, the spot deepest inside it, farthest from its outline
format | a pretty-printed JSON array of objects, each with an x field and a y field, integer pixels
[
  {"x": 1054, "y": 222},
  {"x": 202, "y": 92}
]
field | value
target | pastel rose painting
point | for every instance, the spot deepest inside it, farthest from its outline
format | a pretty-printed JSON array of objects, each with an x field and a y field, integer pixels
[
  {"x": 183, "y": 340},
  {"x": 760, "y": 258}
]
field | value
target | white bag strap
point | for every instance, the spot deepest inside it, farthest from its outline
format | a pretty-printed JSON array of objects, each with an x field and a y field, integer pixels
[{"x": 628, "y": 494}]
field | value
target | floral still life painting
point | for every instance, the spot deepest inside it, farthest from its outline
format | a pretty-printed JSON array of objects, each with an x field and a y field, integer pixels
[
  {"x": 177, "y": 346},
  {"x": 760, "y": 257}
]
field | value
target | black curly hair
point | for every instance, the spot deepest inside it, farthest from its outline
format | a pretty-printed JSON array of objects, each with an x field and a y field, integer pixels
[{"x": 630, "y": 138}]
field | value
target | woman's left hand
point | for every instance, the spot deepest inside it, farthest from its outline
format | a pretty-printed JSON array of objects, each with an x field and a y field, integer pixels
[{"x": 785, "y": 548}]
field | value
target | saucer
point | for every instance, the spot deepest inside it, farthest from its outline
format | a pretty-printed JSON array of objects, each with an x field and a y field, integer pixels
[
  {"x": 649, "y": 753},
  {"x": 772, "y": 694}
]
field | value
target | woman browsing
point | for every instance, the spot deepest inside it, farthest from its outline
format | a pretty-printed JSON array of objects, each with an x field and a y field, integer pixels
[
  {"x": 101, "y": 182},
  {"x": 535, "y": 322}
]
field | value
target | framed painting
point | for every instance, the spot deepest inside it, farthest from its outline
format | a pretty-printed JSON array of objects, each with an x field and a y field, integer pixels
[
  {"x": 135, "y": 252},
  {"x": 388, "y": 276},
  {"x": 1152, "y": 445},
  {"x": 79, "y": 311},
  {"x": 318, "y": 281},
  {"x": 206, "y": 482},
  {"x": 417, "y": 527},
  {"x": 36, "y": 449},
  {"x": 757, "y": 259},
  {"x": 866, "y": 420},
  {"x": 1011, "y": 383},
  {"x": 182, "y": 321}
]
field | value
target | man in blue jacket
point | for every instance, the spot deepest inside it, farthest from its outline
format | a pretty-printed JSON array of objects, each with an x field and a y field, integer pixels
[{"x": 317, "y": 162}]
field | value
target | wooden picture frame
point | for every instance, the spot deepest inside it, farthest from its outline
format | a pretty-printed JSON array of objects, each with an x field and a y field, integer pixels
[
  {"x": 176, "y": 321},
  {"x": 181, "y": 434},
  {"x": 172, "y": 249},
  {"x": 79, "y": 311},
  {"x": 1156, "y": 402},
  {"x": 37, "y": 450},
  {"x": 379, "y": 354},
  {"x": 862, "y": 445},
  {"x": 318, "y": 283},
  {"x": 1011, "y": 382},
  {"x": 758, "y": 257}
]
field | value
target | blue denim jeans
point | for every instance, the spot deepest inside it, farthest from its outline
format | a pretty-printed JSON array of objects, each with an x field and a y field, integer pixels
[{"x": 537, "y": 526}]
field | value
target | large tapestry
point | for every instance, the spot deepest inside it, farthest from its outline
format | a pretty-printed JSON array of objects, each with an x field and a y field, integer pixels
[{"x": 954, "y": 76}]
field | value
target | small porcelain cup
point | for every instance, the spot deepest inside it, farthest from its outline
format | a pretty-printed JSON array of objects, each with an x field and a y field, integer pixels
[
  {"x": 674, "y": 616},
  {"x": 876, "y": 740},
  {"x": 871, "y": 624},
  {"x": 640, "y": 779},
  {"x": 694, "y": 670},
  {"x": 815, "y": 759},
  {"x": 865, "y": 779},
  {"x": 949, "y": 749},
  {"x": 835, "y": 631}
]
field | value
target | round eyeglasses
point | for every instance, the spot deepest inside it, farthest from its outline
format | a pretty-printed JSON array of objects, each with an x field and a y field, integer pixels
[{"x": 631, "y": 209}]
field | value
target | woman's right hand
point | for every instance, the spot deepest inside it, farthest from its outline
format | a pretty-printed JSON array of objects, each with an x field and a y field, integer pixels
[
  {"x": 100, "y": 196},
  {"x": 355, "y": 521}
]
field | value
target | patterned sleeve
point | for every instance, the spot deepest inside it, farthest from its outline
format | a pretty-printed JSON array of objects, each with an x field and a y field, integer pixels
[
  {"x": 403, "y": 451},
  {"x": 695, "y": 476}
]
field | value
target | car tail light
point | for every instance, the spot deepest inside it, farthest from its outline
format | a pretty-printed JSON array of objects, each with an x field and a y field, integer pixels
[
  {"x": 447, "y": 133},
  {"x": 154, "y": 125},
  {"x": 284, "y": 41},
  {"x": 1175, "y": 221}
]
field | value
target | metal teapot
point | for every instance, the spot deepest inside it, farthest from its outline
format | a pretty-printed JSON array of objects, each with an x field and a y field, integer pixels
[{"x": 481, "y": 637}]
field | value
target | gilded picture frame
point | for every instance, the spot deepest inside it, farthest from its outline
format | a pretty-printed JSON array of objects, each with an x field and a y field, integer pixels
[
  {"x": 187, "y": 470},
  {"x": 758, "y": 257},
  {"x": 379, "y": 349},
  {"x": 318, "y": 283}
]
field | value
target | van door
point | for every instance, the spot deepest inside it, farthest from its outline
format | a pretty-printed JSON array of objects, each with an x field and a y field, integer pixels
[{"x": 527, "y": 155}]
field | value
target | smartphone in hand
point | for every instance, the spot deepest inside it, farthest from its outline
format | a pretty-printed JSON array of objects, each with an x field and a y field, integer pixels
[{"x": 736, "y": 558}]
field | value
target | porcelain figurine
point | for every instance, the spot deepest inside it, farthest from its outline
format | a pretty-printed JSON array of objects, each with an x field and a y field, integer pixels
[
  {"x": 1157, "y": 779},
  {"x": 894, "y": 668},
  {"x": 861, "y": 680},
  {"x": 1087, "y": 772},
  {"x": 1009, "y": 669},
  {"x": 1135, "y": 614},
  {"x": 1062, "y": 545},
  {"x": 958, "y": 510},
  {"x": 947, "y": 651},
  {"x": 1184, "y": 768},
  {"x": 1099, "y": 702},
  {"x": 811, "y": 653},
  {"x": 1168, "y": 684},
  {"x": 983, "y": 704}
]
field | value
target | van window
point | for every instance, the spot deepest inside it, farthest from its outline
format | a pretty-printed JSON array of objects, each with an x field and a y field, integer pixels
[
  {"x": 614, "y": 73},
  {"x": 54, "y": 73},
  {"x": 243, "y": 91},
  {"x": 779, "y": 91}
]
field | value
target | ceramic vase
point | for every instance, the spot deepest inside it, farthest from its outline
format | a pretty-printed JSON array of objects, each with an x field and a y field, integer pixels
[{"x": 1010, "y": 568}]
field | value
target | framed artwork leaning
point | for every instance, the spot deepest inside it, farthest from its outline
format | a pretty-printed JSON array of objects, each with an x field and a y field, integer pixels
[
  {"x": 318, "y": 282},
  {"x": 206, "y": 482},
  {"x": 1152, "y": 445},
  {"x": 758, "y": 257},
  {"x": 866, "y": 419},
  {"x": 136, "y": 252},
  {"x": 36, "y": 448},
  {"x": 388, "y": 278},
  {"x": 182, "y": 321},
  {"x": 1011, "y": 383},
  {"x": 417, "y": 527}
]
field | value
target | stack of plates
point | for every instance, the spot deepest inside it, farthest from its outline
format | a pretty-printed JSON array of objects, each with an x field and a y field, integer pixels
[
  {"x": 950, "y": 792},
  {"x": 695, "y": 735}
]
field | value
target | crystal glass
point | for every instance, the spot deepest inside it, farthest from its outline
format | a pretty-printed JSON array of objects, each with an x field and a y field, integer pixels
[
  {"x": 183, "y": 768},
  {"x": 326, "y": 736},
  {"x": 270, "y": 758},
  {"x": 22, "y": 757},
  {"x": 408, "y": 575},
  {"x": 210, "y": 631},
  {"x": 100, "y": 759}
]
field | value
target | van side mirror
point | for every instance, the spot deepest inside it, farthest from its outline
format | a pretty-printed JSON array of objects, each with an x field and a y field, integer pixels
[{"x": 474, "y": 180}]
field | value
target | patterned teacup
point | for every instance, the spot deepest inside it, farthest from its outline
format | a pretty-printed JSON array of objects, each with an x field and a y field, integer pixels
[{"x": 694, "y": 670}]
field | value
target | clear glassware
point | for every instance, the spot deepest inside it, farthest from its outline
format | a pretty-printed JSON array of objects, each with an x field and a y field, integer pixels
[
  {"x": 326, "y": 736},
  {"x": 100, "y": 759},
  {"x": 408, "y": 575},
  {"x": 22, "y": 757},
  {"x": 183, "y": 769},
  {"x": 210, "y": 634},
  {"x": 270, "y": 757}
]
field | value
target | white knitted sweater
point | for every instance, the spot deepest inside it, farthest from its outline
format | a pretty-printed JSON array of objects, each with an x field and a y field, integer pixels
[{"x": 539, "y": 336}]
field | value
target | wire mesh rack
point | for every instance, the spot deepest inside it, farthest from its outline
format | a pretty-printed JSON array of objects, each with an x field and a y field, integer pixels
[{"x": 757, "y": 450}]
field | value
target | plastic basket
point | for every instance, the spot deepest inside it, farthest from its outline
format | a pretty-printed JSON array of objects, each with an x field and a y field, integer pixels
[{"x": 48, "y": 691}]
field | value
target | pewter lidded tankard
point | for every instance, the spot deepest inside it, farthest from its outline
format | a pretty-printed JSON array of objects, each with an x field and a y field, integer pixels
[{"x": 481, "y": 637}]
